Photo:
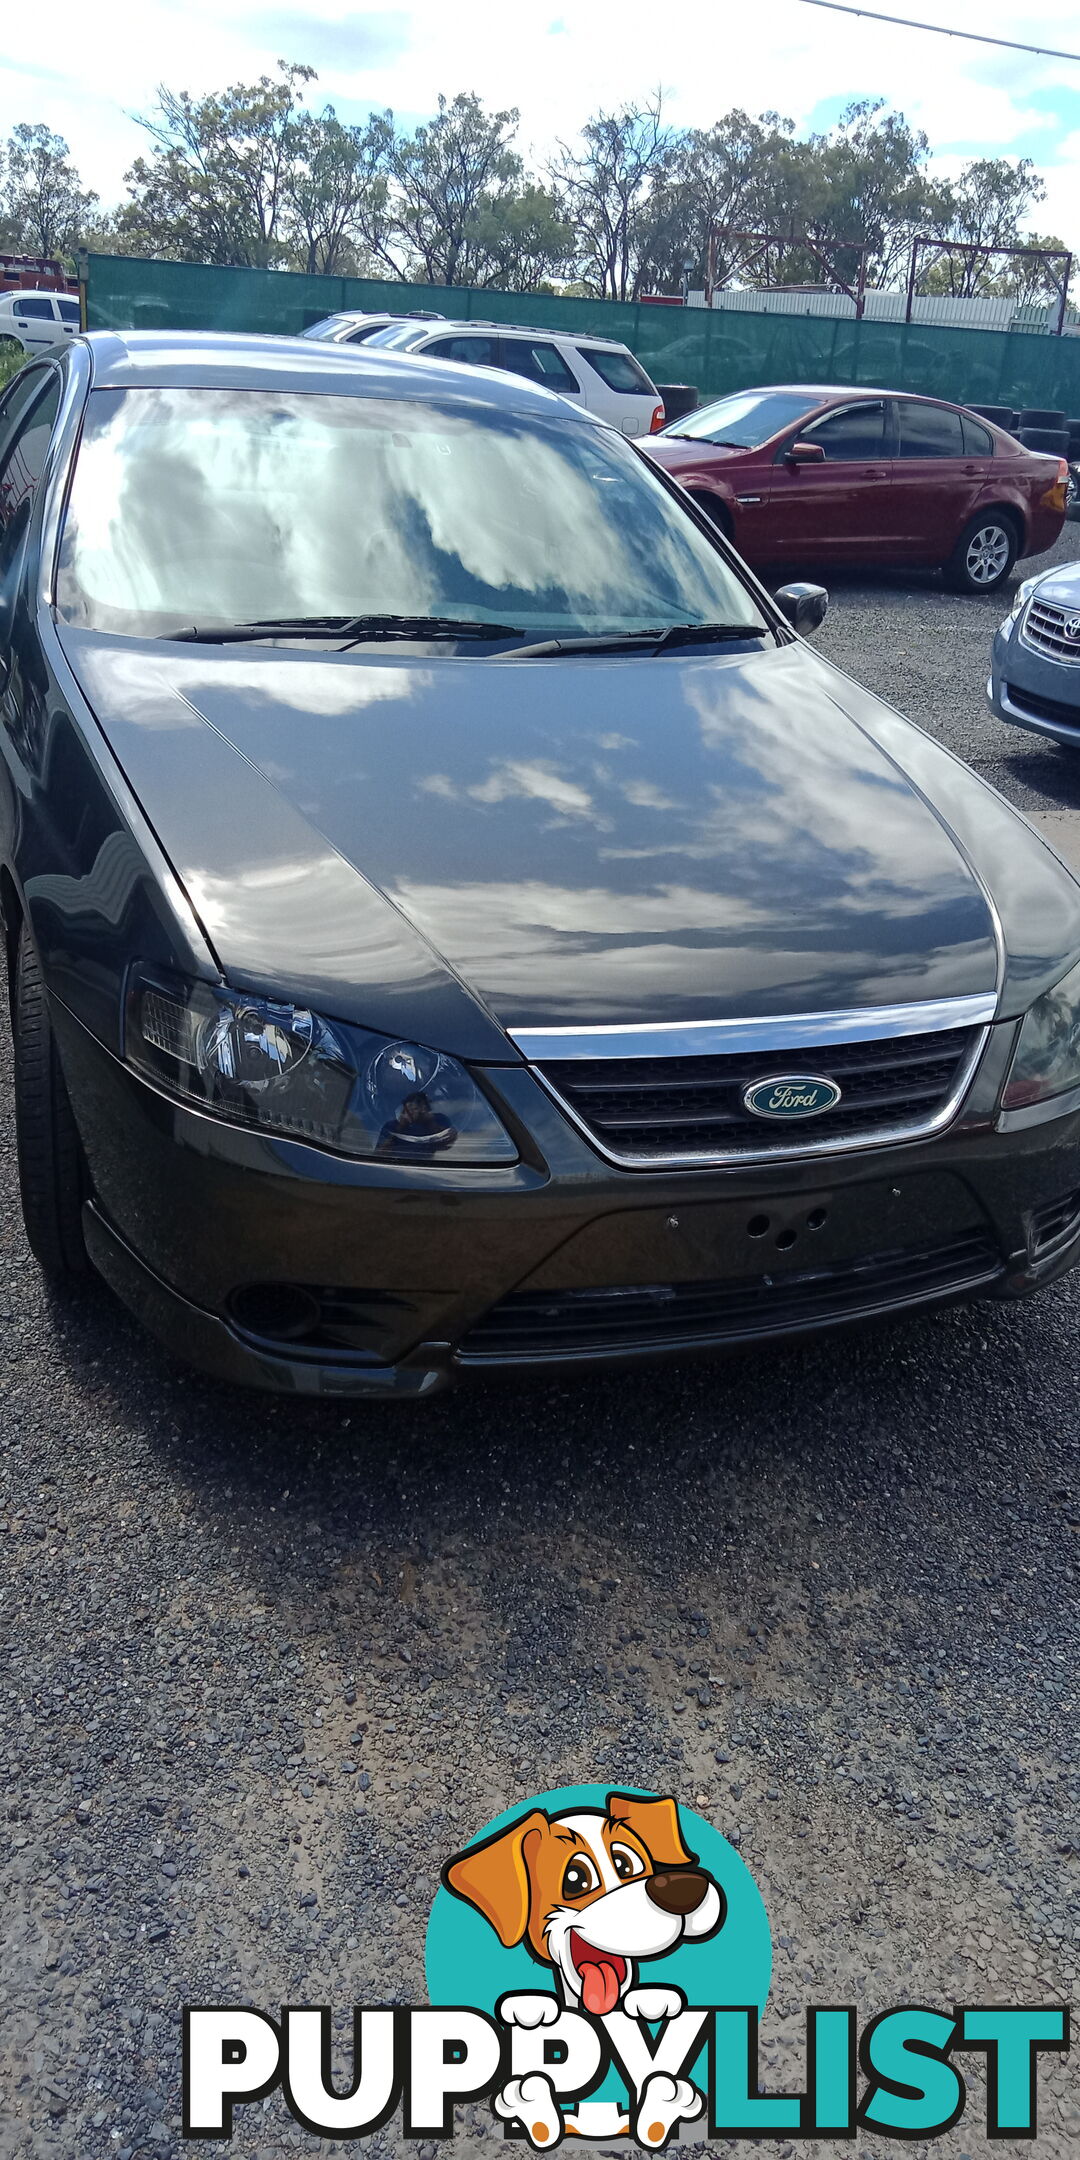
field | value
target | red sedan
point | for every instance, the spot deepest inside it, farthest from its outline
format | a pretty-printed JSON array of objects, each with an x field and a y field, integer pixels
[{"x": 795, "y": 474}]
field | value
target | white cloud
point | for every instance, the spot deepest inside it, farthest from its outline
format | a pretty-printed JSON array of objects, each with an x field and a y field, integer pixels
[{"x": 557, "y": 64}]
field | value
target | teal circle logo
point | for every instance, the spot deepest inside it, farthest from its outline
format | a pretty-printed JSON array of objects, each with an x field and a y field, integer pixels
[
  {"x": 518, "y": 1911},
  {"x": 791, "y": 1095}
]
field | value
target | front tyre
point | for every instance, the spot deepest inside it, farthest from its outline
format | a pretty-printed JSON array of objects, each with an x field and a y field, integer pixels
[
  {"x": 52, "y": 1178},
  {"x": 983, "y": 555}
]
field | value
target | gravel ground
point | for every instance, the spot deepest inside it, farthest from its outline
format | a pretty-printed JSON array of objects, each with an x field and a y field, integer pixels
[
  {"x": 265, "y": 1666},
  {"x": 927, "y": 651}
]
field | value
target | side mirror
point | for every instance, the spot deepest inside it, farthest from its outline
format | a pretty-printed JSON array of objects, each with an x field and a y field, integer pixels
[
  {"x": 805, "y": 453},
  {"x": 803, "y": 606}
]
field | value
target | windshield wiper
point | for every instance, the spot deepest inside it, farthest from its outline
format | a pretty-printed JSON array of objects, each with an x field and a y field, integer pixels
[
  {"x": 647, "y": 641},
  {"x": 356, "y": 628}
]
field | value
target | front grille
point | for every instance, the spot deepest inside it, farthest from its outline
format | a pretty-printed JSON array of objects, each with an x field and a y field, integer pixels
[
  {"x": 1044, "y": 630},
  {"x": 1053, "y": 1225},
  {"x": 564, "y": 1323},
  {"x": 1045, "y": 708},
  {"x": 690, "y": 1109}
]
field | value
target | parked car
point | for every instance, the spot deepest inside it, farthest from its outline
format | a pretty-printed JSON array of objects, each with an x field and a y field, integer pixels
[
  {"x": 482, "y": 933},
  {"x": 1035, "y": 669},
  {"x": 353, "y": 326},
  {"x": 801, "y": 473},
  {"x": 37, "y": 320},
  {"x": 595, "y": 372}
]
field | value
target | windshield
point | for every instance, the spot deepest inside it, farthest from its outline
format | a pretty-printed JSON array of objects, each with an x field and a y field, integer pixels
[
  {"x": 746, "y": 420},
  {"x": 200, "y": 507}
]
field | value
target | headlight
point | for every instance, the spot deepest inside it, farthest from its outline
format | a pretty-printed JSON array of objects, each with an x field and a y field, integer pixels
[
  {"x": 287, "y": 1071},
  {"x": 1046, "y": 1060},
  {"x": 1020, "y": 600}
]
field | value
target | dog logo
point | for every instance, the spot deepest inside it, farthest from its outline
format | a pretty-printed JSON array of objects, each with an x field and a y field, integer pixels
[
  {"x": 592, "y": 1894},
  {"x": 606, "y": 1897},
  {"x": 598, "y": 1963}
]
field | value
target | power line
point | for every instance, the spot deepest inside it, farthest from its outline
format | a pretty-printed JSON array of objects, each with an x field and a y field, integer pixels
[{"x": 974, "y": 37}]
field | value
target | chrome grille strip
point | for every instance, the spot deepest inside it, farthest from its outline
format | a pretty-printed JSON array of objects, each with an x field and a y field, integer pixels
[
  {"x": 1043, "y": 629},
  {"x": 844, "y": 1144},
  {"x": 781, "y": 1032}
]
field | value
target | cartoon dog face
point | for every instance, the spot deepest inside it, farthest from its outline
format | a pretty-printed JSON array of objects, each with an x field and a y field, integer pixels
[{"x": 591, "y": 1891}]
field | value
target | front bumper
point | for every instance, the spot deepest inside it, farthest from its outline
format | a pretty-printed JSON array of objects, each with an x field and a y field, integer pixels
[
  {"x": 1029, "y": 691},
  {"x": 557, "y": 1263}
]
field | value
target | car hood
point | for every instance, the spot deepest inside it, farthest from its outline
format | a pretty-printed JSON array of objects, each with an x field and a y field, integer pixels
[
  {"x": 674, "y": 452},
  {"x": 1061, "y": 586},
  {"x": 573, "y": 841}
]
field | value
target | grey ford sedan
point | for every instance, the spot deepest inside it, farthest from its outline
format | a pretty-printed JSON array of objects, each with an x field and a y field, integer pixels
[{"x": 454, "y": 921}]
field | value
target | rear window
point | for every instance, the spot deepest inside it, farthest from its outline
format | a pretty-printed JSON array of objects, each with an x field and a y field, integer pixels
[
  {"x": 619, "y": 370},
  {"x": 34, "y": 308},
  {"x": 929, "y": 431},
  {"x": 978, "y": 441},
  {"x": 69, "y": 310}
]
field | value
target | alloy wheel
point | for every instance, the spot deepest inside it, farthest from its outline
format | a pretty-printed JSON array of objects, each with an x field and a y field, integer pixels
[{"x": 987, "y": 555}]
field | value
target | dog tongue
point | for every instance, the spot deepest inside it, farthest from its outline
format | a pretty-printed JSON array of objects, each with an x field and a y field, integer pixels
[{"x": 599, "y": 1986}]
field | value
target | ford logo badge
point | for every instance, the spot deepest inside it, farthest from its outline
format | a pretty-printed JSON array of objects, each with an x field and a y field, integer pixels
[{"x": 791, "y": 1095}]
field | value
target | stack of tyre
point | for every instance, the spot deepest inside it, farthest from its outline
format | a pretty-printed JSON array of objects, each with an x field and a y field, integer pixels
[{"x": 1038, "y": 428}]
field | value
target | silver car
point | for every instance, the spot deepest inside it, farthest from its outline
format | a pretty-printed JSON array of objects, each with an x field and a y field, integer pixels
[{"x": 1035, "y": 671}]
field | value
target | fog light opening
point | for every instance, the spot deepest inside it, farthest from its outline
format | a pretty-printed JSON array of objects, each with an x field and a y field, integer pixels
[{"x": 280, "y": 1312}]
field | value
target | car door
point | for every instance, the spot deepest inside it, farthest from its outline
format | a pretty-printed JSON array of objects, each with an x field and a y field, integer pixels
[
  {"x": 539, "y": 361},
  {"x": 837, "y": 510},
  {"x": 937, "y": 481},
  {"x": 35, "y": 323}
]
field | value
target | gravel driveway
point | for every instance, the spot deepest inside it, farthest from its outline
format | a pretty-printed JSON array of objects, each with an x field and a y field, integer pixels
[{"x": 264, "y": 1666}]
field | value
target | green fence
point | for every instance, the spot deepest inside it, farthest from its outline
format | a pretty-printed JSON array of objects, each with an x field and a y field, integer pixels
[{"x": 718, "y": 349}]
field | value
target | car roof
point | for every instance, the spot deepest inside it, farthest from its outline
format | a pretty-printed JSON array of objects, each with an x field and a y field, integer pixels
[
  {"x": 224, "y": 360},
  {"x": 417, "y": 315},
  {"x": 545, "y": 330},
  {"x": 34, "y": 292},
  {"x": 822, "y": 391}
]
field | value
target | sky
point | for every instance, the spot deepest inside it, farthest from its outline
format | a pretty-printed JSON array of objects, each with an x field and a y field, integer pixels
[{"x": 92, "y": 70}]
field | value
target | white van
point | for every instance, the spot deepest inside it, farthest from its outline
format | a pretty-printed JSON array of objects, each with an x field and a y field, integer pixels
[
  {"x": 596, "y": 372},
  {"x": 38, "y": 319}
]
